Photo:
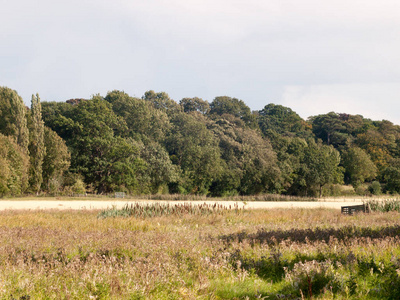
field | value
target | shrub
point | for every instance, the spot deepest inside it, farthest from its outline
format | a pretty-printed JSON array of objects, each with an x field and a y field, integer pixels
[
  {"x": 385, "y": 205},
  {"x": 375, "y": 188},
  {"x": 311, "y": 277},
  {"x": 362, "y": 190},
  {"x": 79, "y": 187},
  {"x": 159, "y": 209}
]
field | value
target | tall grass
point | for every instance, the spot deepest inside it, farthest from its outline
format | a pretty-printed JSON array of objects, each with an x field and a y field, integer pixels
[
  {"x": 262, "y": 197},
  {"x": 254, "y": 254},
  {"x": 387, "y": 205},
  {"x": 139, "y": 210}
]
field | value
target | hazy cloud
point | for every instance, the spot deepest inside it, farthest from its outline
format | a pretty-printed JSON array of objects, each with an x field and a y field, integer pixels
[
  {"x": 302, "y": 54},
  {"x": 374, "y": 101}
]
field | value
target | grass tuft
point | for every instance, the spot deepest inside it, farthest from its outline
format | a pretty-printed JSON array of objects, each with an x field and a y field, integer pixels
[{"x": 152, "y": 210}]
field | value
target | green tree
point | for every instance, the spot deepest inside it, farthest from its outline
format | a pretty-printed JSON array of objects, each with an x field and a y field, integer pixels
[
  {"x": 56, "y": 160},
  {"x": 4, "y": 172},
  {"x": 330, "y": 128},
  {"x": 249, "y": 162},
  {"x": 358, "y": 166},
  {"x": 162, "y": 101},
  {"x": 144, "y": 122},
  {"x": 37, "y": 149},
  {"x": 91, "y": 131},
  {"x": 339, "y": 129},
  {"x": 13, "y": 120},
  {"x": 158, "y": 168},
  {"x": 225, "y": 105},
  {"x": 320, "y": 166},
  {"x": 283, "y": 121},
  {"x": 290, "y": 153},
  {"x": 195, "y": 150},
  {"x": 391, "y": 176},
  {"x": 195, "y": 104},
  {"x": 14, "y": 162},
  {"x": 261, "y": 173},
  {"x": 376, "y": 145}
]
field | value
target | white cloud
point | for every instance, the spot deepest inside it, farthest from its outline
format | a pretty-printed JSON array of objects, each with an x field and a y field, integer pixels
[
  {"x": 374, "y": 101},
  {"x": 247, "y": 49}
]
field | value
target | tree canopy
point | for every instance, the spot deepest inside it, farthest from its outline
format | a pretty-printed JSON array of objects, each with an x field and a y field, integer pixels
[{"x": 153, "y": 144}]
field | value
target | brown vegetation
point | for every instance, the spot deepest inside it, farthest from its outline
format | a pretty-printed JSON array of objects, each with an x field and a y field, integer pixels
[{"x": 254, "y": 254}]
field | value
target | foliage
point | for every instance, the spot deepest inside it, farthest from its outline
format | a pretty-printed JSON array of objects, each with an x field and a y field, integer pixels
[
  {"x": 320, "y": 166},
  {"x": 143, "y": 120},
  {"x": 312, "y": 277},
  {"x": 14, "y": 163},
  {"x": 339, "y": 129},
  {"x": 79, "y": 187},
  {"x": 195, "y": 104},
  {"x": 391, "y": 175},
  {"x": 240, "y": 198},
  {"x": 358, "y": 165},
  {"x": 37, "y": 149},
  {"x": 194, "y": 149},
  {"x": 105, "y": 160},
  {"x": 4, "y": 175},
  {"x": 388, "y": 205},
  {"x": 249, "y": 162},
  {"x": 162, "y": 101},
  {"x": 377, "y": 146},
  {"x": 153, "y": 144},
  {"x": 282, "y": 120},
  {"x": 158, "y": 168},
  {"x": 56, "y": 160},
  {"x": 13, "y": 117},
  {"x": 225, "y": 105},
  {"x": 375, "y": 188}
]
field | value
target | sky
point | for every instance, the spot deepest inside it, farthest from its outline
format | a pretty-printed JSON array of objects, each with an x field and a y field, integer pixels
[{"x": 312, "y": 56}]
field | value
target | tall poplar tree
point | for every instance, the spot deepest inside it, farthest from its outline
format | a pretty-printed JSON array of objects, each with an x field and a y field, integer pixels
[
  {"x": 13, "y": 117},
  {"x": 37, "y": 149}
]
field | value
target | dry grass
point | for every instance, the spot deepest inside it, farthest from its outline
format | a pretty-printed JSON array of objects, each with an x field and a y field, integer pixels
[
  {"x": 253, "y": 254},
  {"x": 161, "y": 197}
]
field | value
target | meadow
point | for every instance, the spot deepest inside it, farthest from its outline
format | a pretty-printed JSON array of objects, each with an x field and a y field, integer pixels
[{"x": 202, "y": 253}]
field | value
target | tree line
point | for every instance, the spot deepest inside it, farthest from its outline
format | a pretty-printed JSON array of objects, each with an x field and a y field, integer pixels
[{"x": 154, "y": 144}]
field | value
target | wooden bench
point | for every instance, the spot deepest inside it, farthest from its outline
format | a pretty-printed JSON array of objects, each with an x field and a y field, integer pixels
[{"x": 349, "y": 210}]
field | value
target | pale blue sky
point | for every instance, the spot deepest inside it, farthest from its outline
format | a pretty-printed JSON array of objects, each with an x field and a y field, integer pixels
[{"x": 313, "y": 56}]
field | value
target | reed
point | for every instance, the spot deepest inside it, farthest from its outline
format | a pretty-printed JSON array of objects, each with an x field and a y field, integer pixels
[
  {"x": 218, "y": 254},
  {"x": 152, "y": 210},
  {"x": 385, "y": 205}
]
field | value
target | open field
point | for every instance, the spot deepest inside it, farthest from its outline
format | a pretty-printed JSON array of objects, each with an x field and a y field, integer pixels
[
  {"x": 106, "y": 202},
  {"x": 103, "y": 204},
  {"x": 238, "y": 254}
]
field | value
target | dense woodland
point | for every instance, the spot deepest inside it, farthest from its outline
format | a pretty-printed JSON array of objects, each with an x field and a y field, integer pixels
[{"x": 154, "y": 145}]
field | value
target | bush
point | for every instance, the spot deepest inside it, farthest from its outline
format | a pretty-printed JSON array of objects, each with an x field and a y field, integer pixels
[
  {"x": 338, "y": 190},
  {"x": 362, "y": 190},
  {"x": 79, "y": 187},
  {"x": 375, "y": 188},
  {"x": 311, "y": 277},
  {"x": 385, "y": 205}
]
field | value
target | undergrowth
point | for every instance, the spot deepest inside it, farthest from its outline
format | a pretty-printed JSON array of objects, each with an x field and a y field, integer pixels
[
  {"x": 387, "y": 205},
  {"x": 254, "y": 254},
  {"x": 139, "y": 210}
]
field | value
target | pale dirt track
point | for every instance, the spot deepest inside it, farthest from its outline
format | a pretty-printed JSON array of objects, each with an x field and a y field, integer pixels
[{"x": 104, "y": 204}]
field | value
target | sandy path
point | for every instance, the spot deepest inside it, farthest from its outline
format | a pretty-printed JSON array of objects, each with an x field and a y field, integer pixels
[{"x": 95, "y": 204}]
